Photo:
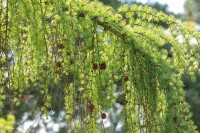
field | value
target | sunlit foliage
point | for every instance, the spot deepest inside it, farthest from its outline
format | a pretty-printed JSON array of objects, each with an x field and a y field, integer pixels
[
  {"x": 6, "y": 125},
  {"x": 99, "y": 51}
]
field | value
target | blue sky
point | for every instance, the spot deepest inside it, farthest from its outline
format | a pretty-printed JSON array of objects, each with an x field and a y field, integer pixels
[{"x": 176, "y": 6}]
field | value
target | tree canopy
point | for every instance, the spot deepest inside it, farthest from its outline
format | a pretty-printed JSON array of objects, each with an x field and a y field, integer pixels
[{"x": 97, "y": 54}]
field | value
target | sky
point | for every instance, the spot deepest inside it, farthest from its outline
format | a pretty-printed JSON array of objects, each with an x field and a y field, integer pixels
[{"x": 176, "y": 6}]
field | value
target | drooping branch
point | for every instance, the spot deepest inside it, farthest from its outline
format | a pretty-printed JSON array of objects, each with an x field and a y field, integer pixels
[
  {"x": 120, "y": 30},
  {"x": 130, "y": 61}
]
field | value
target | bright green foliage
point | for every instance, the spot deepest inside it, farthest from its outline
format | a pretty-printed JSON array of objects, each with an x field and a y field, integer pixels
[
  {"x": 99, "y": 51},
  {"x": 6, "y": 126}
]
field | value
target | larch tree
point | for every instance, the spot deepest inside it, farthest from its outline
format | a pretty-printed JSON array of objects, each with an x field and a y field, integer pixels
[
  {"x": 97, "y": 52},
  {"x": 191, "y": 15}
]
